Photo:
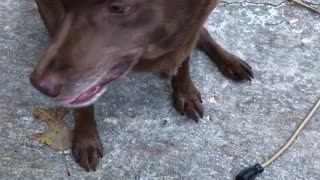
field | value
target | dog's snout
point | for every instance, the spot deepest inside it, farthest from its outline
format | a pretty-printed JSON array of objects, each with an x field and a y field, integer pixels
[{"x": 48, "y": 84}]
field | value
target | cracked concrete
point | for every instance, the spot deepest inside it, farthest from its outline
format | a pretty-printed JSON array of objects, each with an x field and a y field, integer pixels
[{"x": 144, "y": 138}]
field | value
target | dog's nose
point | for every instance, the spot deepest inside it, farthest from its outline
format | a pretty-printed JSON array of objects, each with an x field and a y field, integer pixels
[{"x": 48, "y": 84}]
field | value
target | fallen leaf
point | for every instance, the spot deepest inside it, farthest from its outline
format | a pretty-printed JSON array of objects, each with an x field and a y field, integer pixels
[
  {"x": 213, "y": 100},
  {"x": 225, "y": 84},
  {"x": 60, "y": 136},
  {"x": 293, "y": 21}
]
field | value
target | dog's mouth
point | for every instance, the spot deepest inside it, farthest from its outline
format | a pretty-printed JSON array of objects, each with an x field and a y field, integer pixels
[
  {"x": 95, "y": 91},
  {"x": 85, "y": 98}
]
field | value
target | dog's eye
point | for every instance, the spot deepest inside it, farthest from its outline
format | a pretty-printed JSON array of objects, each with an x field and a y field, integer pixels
[{"x": 119, "y": 9}]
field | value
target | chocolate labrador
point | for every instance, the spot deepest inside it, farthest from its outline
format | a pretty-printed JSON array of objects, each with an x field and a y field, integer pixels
[{"x": 94, "y": 42}]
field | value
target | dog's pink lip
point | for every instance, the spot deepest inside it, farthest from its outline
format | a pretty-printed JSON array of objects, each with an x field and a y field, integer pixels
[
  {"x": 82, "y": 98},
  {"x": 86, "y": 96}
]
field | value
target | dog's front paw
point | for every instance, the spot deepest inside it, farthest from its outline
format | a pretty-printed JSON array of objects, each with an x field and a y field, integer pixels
[
  {"x": 87, "y": 151},
  {"x": 236, "y": 69},
  {"x": 188, "y": 101}
]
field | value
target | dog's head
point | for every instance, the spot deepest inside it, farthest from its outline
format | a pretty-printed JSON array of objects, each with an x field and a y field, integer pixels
[{"x": 99, "y": 41}]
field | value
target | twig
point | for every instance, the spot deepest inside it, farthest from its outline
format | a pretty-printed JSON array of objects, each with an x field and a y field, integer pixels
[{"x": 301, "y": 3}]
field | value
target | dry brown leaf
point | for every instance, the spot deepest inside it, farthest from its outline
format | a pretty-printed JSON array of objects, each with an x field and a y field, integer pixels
[{"x": 59, "y": 137}]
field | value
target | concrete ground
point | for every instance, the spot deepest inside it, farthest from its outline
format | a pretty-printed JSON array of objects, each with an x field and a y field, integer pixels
[{"x": 144, "y": 137}]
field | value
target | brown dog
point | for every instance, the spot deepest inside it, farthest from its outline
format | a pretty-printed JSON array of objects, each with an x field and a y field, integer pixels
[{"x": 94, "y": 42}]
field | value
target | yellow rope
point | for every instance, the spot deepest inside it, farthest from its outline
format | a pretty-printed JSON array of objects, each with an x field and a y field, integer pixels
[{"x": 293, "y": 137}]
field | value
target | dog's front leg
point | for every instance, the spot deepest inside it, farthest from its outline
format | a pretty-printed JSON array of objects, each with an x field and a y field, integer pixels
[
  {"x": 186, "y": 97},
  {"x": 230, "y": 65},
  {"x": 86, "y": 146}
]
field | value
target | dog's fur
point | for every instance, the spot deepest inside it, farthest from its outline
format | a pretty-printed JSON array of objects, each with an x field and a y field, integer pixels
[{"x": 94, "y": 42}]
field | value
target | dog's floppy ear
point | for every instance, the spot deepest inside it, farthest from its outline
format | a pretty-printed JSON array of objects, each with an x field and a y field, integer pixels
[{"x": 52, "y": 12}]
